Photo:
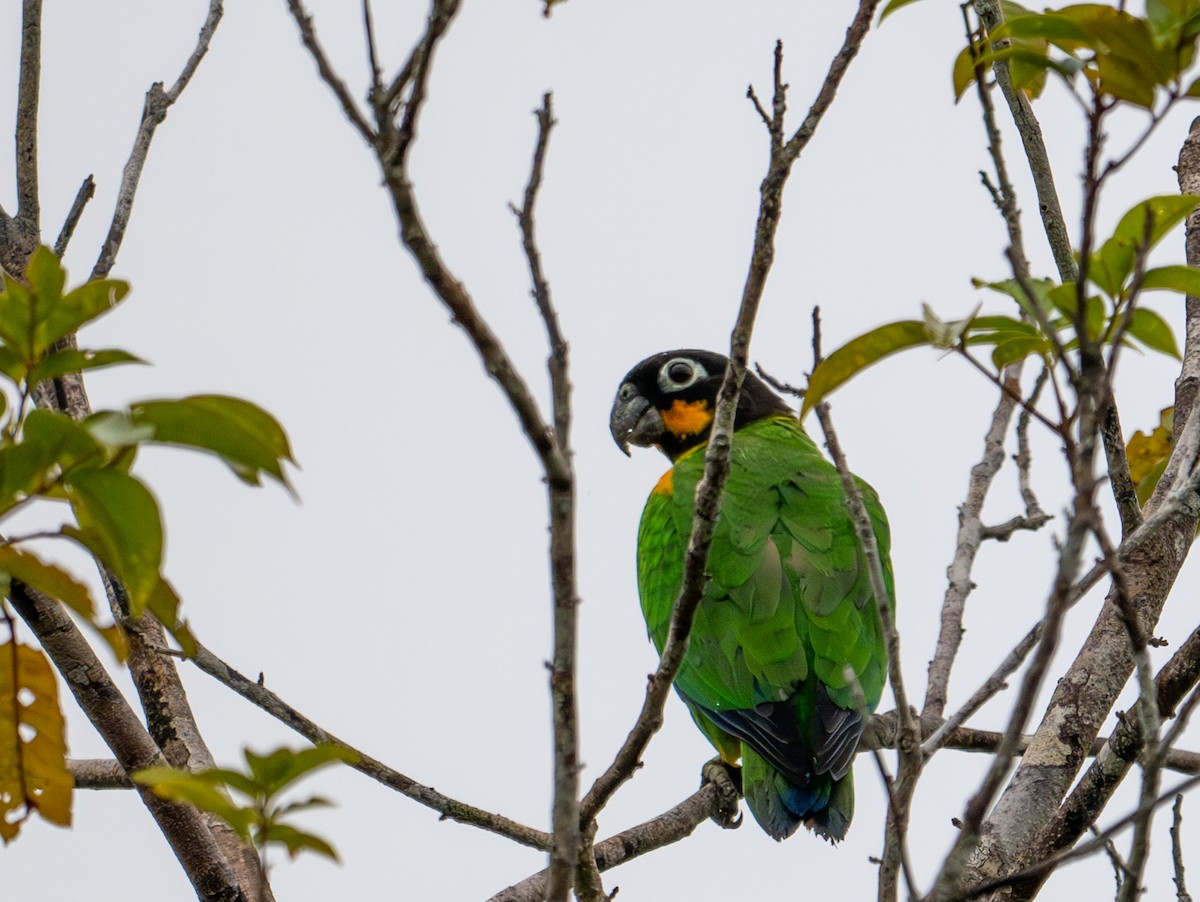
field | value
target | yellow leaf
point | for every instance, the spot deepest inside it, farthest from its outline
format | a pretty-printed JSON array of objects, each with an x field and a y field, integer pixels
[
  {"x": 1148, "y": 455},
  {"x": 33, "y": 760}
]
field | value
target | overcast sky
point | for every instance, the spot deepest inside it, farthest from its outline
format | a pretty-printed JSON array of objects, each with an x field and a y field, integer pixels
[{"x": 403, "y": 603}]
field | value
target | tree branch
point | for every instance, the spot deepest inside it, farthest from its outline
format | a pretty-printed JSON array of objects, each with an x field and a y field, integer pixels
[
  {"x": 158, "y": 102},
  {"x": 28, "y": 89},
  {"x": 86, "y": 192},
  {"x": 257, "y": 694},
  {"x": 966, "y": 545}
]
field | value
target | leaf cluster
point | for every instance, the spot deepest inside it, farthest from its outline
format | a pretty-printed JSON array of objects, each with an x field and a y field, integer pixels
[
  {"x": 1048, "y": 320},
  {"x": 261, "y": 820},
  {"x": 1127, "y": 58},
  {"x": 48, "y": 456}
]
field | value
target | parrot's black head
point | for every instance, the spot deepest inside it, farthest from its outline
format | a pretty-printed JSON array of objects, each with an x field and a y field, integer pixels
[{"x": 668, "y": 401}]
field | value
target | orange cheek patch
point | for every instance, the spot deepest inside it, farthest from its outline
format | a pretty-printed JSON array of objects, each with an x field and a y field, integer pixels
[
  {"x": 687, "y": 418},
  {"x": 665, "y": 485}
]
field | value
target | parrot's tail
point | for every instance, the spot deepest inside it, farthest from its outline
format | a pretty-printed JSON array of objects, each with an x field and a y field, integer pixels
[{"x": 824, "y": 805}]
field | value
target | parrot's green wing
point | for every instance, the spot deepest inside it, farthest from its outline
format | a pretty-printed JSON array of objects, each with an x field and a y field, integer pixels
[{"x": 786, "y": 655}]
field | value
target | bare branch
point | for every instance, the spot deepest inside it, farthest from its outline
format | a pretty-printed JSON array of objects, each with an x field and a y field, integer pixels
[
  {"x": 667, "y": 828},
  {"x": 1042, "y": 868},
  {"x": 86, "y": 191},
  {"x": 1181, "y": 893},
  {"x": 349, "y": 105},
  {"x": 1034, "y": 146},
  {"x": 98, "y": 773},
  {"x": 966, "y": 544},
  {"x": 1002, "y": 532},
  {"x": 158, "y": 102},
  {"x": 993, "y": 684},
  {"x": 28, "y": 89},
  {"x": 1115, "y": 757},
  {"x": 909, "y": 737},
  {"x": 567, "y": 837},
  {"x": 262, "y": 697}
]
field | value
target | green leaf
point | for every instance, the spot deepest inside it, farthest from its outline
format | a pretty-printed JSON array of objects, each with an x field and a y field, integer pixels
[
  {"x": 1018, "y": 347},
  {"x": 892, "y": 6},
  {"x": 859, "y": 353},
  {"x": 74, "y": 309},
  {"x": 24, "y": 468},
  {"x": 195, "y": 790},
  {"x": 1040, "y": 288},
  {"x": 296, "y": 841},
  {"x": 1152, "y": 330},
  {"x": 1184, "y": 279},
  {"x": 1144, "y": 225},
  {"x": 1061, "y": 30},
  {"x": 247, "y": 438},
  {"x": 16, "y": 319},
  {"x": 1128, "y": 80},
  {"x": 61, "y": 586},
  {"x": 11, "y": 364},
  {"x": 305, "y": 805},
  {"x": 114, "y": 429},
  {"x": 1064, "y": 299},
  {"x": 274, "y": 771},
  {"x": 1169, "y": 19},
  {"x": 119, "y": 520},
  {"x": 45, "y": 276},
  {"x": 63, "y": 439},
  {"x": 73, "y": 360}
]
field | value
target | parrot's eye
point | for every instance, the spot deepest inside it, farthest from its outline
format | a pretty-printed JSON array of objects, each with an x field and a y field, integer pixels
[{"x": 679, "y": 373}]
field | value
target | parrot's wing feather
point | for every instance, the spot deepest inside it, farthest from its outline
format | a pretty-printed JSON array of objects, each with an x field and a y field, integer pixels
[
  {"x": 774, "y": 731},
  {"x": 842, "y": 729}
]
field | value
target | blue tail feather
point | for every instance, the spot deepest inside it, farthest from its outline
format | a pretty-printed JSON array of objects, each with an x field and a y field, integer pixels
[{"x": 780, "y": 806}]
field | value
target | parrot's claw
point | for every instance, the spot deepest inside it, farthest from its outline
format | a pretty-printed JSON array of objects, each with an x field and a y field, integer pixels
[{"x": 727, "y": 780}]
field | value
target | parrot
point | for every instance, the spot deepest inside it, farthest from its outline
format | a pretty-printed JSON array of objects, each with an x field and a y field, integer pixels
[{"x": 786, "y": 656}]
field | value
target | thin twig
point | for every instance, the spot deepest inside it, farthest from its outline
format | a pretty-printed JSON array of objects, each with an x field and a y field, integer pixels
[
  {"x": 568, "y": 833},
  {"x": 447, "y": 807},
  {"x": 328, "y": 75},
  {"x": 158, "y": 102},
  {"x": 1024, "y": 458},
  {"x": 966, "y": 547},
  {"x": 1181, "y": 893},
  {"x": 894, "y": 804},
  {"x": 909, "y": 738},
  {"x": 992, "y": 685},
  {"x": 86, "y": 191}
]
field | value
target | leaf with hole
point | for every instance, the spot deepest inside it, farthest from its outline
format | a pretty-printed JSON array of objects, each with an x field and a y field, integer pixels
[{"x": 33, "y": 749}]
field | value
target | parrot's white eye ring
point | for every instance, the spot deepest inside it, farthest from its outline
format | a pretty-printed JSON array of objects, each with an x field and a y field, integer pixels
[{"x": 679, "y": 373}]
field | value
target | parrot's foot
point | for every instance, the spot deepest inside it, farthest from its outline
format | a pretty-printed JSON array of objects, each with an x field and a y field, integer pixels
[{"x": 727, "y": 780}]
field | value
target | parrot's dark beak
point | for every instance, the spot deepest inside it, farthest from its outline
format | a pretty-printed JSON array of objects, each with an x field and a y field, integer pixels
[{"x": 633, "y": 421}]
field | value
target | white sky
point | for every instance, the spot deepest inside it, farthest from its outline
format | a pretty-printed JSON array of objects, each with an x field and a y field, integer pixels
[{"x": 404, "y": 603}]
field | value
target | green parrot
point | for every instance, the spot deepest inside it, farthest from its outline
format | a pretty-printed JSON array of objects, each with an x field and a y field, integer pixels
[{"x": 786, "y": 656}]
